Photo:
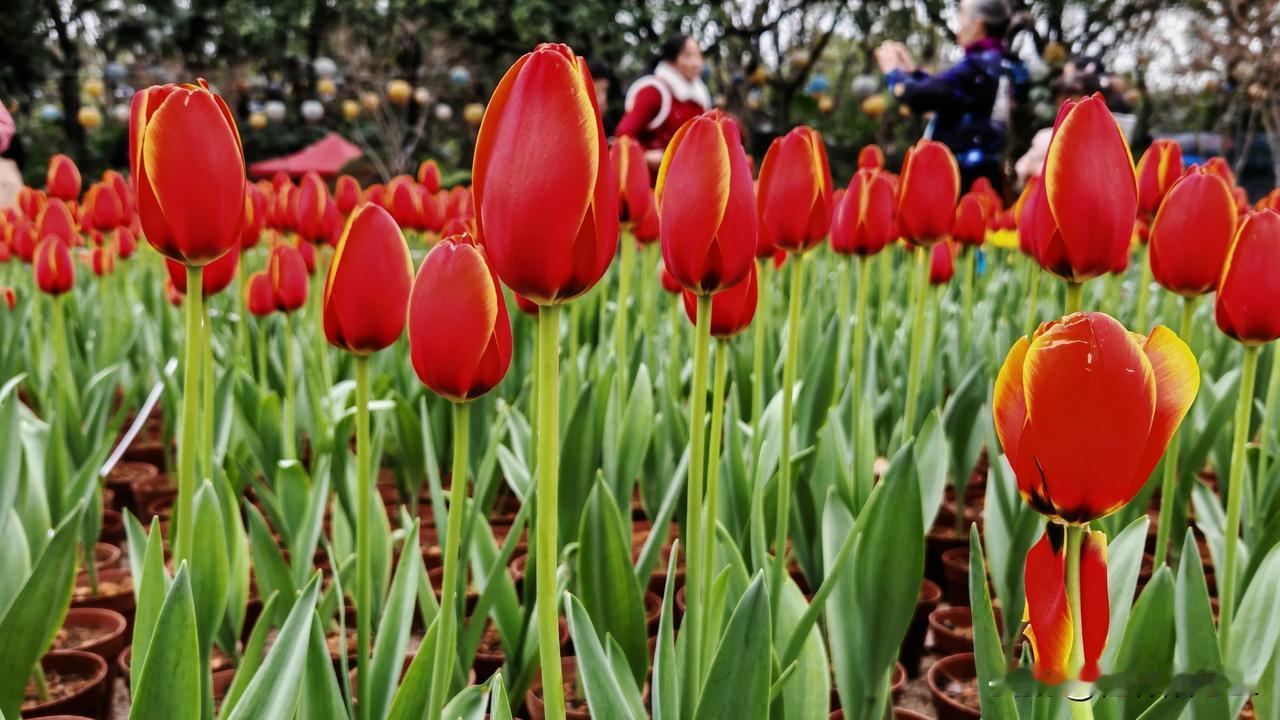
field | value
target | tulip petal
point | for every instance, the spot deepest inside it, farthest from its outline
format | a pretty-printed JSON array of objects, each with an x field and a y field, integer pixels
[
  {"x": 1177, "y": 378},
  {"x": 453, "y": 313},
  {"x": 1095, "y": 608},
  {"x": 696, "y": 167},
  {"x": 1047, "y": 612}
]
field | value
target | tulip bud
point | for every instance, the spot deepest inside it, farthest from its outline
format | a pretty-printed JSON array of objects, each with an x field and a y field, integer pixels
[
  {"x": 634, "y": 194},
  {"x": 215, "y": 278},
  {"x": 123, "y": 189},
  {"x": 186, "y": 158},
  {"x": 307, "y": 252},
  {"x": 429, "y": 176},
  {"x": 1158, "y": 169},
  {"x": 366, "y": 293},
  {"x": 706, "y": 206},
  {"x": 1219, "y": 166},
  {"x": 1085, "y": 409},
  {"x": 258, "y": 296},
  {"x": 970, "y": 225},
  {"x": 102, "y": 261},
  {"x": 793, "y": 199},
  {"x": 288, "y": 272},
  {"x": 459, "y": 332},
  {"x": 105, "y": 209},
  {"x": 126, "y": 245},
  {"x": 346, "y": 194},
  {"x": 404, "y": 202},
  {"x": 870, "y": 156},
  {"x": 1248, "y": 304},
  {"x": 942, "y": 263},
  {"x": 55, "y": 274},
  {"x": 669, "y": 283},
  {"x": 546, "y": 199},
  {"x": 927, "y": 192},
  {"x": 55, "y": 219},
  {"x": 10, "y": 298},
  {"x": 63, "y": 178},
  {"x": 22, "y": 239},
  {"x": 731, "y": 310},
  {"x": 864, "y": 223},
  {"x": 1192, "y": 233}
]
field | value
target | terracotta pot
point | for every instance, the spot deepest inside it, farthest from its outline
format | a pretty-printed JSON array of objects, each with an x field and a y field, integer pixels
[
  {"x": 953, "y": 629},
  {"x": 488, "y": 663},
  {"x": 147, "y": 492},
  {"x": 938, "y": 540},
  {"x": 112, "y": 527},
  {"x": 913, "y": 643},
  {"x": 94, "y": 630},
  {"x": 975, "y": 495},
  {"x": 89, "y": 700},
  {"x": 898, "y": 714},
  {"x": 950, "y": 676},
  {"x": 122, "y": 477},
  {"x": 437, "y": 578},
  {"x": 160, "y": 506},
  {"x": 897, "y": 683},
  {"x": 577, "y": 706},
  {"x": 116, "y": 592},
  {"x": 955, "y": 571},
  {"x": 106, "y": 556},
  {"x": 108, "y": 499},
  {"x": 148, "y": 446}
]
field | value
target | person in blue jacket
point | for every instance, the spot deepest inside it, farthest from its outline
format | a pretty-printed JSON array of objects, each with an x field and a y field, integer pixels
[{"x": 971, "y": 101}]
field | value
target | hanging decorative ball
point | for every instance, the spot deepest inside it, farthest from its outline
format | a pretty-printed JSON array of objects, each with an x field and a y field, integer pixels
[
  {"x": 473, "y": 113},
  {"x": 50, "y": 113},
  {"x": 443, "y": 112},
  {"x": 370, "y": 101},
  {"x": 421, "y": 95},
  {"x": 817, "y": 85},
  {"x": 754, "y": 99},
  {"x": 875, "y": 105},
  {"x": 904, "y": 111},
  {"x": 257, "y": 120},
  {"x": 89, "y": 117},
  {"x": 324, "y": 66},
  {"x": 826, "y": 104},
  {"x": 760, "y": 75},
  {"x": 398, "y": 91},
  {"x": 120, "y": 113},
  {"x": 94, "y": 88},
  {"x": 1133, "y": 96},
  {"x": 459, "y": 75},
  {"x": 800, "y": 58},
  {"x": 350, "y": 109},
  {"x": 275, "y": 110},
  {"x": 1054, "y": 53},
  {"x": 864, "y": 85},
  {"x": 326, "y": 87},
  {"x": 311, "y": 110},
  {"x": 116, "y": 71}
]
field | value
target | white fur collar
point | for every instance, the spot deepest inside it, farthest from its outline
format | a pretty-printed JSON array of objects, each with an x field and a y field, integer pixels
[{"x": 682, "y": 89}]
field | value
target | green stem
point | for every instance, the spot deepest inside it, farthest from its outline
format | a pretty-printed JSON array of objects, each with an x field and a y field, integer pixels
[
  {"x": 1079, "y": 690},
  {"x": 966, "y": 294},
  {"x": 859, "y": 351},
  {"x": 1169, "y": 481},
  {"x": 919, "y": 292},
  {"x": 190, "y": 417},
  {"x": 757, "y": 358},
  {"x": 886, "y": 280},
  {"x": 364, "y": 490},
  {"x": 620, "y": 336},
  {"x": 206, "y": 404},
  {"x": 1235, "y": 488},
  {"x": 446, "y": 635},
  {"x": 1268, "y": 413},
  {"x": 65, "y": 384},
  {"x": 788, "y": 409},
  {"x": 547, "y": 547},
  {"x": 1144, "y": 288},
  {"x": 1072, "y": 303},
  {"x": 713, "y": 474},
  {"x": 648, "y": 290},
  {"x": 289, "y": 431},
  {"x": 842, "y": 312},
  {"x": 262, "y": 351},
  {"x": 37, "y": 334},
  {"x": 42, "y": 684},
  {"x": 242, "y": 310},
  {"x": 694, "y": 600},
  {"x": 1034, "y": 294}
]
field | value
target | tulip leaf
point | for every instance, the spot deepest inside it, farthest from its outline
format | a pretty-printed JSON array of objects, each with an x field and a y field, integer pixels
[
  {"x": 666, "y": 666},
  {"x": 1256, "y": 626},
  {"x": 269, "y": 567},
  {"x": 393, "y": 632},
  {"x": 737, "y": 684},
  {"x": 35, "y": 613},
  {"x": 273, "y": 692},
  {"x": 806, "y": 690},
  {"x": 168, "y": 684},
  {"x": 469, "y": 704},
  {"x": 996, "y": 701},
  {"x": 609, "y": 694},
  {"x": 209, "y": 567},
  {"x": 1196, "y": 650},
  {"x": 931, "y": 467},
  {"x": 1124, "y": 559},
  {"x": 499, "y": 706},
  {"x": 10, "y": 450},
  {"x": 1141, "y": 651},
  {"x": 150, "y": 589},
  {"x": 410, "y": 700},
  {"x": 321, "y": 697},
  {"x": 607, "y": 584},
  {"x": 962, "y": 418},
  {"x": 251, "y": 658}
]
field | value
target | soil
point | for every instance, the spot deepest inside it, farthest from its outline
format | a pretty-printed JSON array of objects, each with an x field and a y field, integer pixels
[
  {"x": 78, "y": 636},
  {"x": 334, "y": 641},
  {"x": 105, "y": 588},
  {"x": 60, "y": 685},
  {"x": 964, "y": 631},
  {"x": 964, "y": 692},
  {"x": 491, "y": 640}
]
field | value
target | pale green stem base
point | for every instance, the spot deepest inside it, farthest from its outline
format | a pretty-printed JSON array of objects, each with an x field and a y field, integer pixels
[
  {"x": 206, "y": 405},
  {"x": 289, "y": 431},
  {"x": 1169, "y": 481},
  {"x": 694, "y": 590},
  {"x": 620, "y": 333},
  {"x": 446, "y": 634},
  {"x": 919, "y": 292},
  {"x": 710, "y": 508},
  {"x": 788, "y": 410},
  {"x": 859, "y": 351},
  {"x": 1073, "y": 299},
  {"x": 188, "y": 442},
  {"x": 364, "y": 491},
  {"x": 1235, "y": 488},
  {"x": 546, "y": 540},
  {"x": 757, "y": 360}
]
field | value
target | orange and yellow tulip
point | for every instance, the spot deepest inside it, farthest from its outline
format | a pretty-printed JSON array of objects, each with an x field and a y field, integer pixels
[
  {"x": 1051, "y": 626},
  {"x": 1248, "y": 303}
]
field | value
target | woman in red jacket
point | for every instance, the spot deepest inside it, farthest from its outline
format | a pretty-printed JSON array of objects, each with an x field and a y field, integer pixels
[{"x": 659, "y": 103}]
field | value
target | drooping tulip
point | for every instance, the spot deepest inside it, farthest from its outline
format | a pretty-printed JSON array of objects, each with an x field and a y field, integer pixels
[
  {"x": 1085, "y": 214},
  {"x": 635, "y": 197},
  {"x": 793, "y": 198},
  {"x": 1248, "y": 301},
  {"x": 429, "y": 176},
  {"x": 288, "y": 273},
  {"x": 258, "y": 296},
  {"x": 1051, "y": 628},
  {"x": 54, "y": 272},
  {"x": 217, "y": 275},
  {"x": 63, "y": 178},
  {"x": 731, "y": 310},
  {"x": 706, "y": 206},
  {"x": 1192, "y": 233},
  {"x": 186, "y": 159},
  {"x": 865, "y": 224},
  {"x": 366, "y": 293},
  {"x": 942, "y": 263},
  {"x": 927, "y": 192},
  {"x": 459, "y": 332},
  {"x": 871, "y": 157},
  {"x": 1158, "y": 169},
  {"x": 970, "y": 225},
  {"x": 546, "y": 211},
  {"x": 346, "y": 194},
  {"x": 1085, "y": 409}
]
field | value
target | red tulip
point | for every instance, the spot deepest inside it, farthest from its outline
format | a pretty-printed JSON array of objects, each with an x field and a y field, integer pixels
[
  {"x": 186, "y": 158},
  {"x": 1248, "y": 305},
  {"x": 706, "y": 206},
  {"x": 527, "y": 306},
  {"x": 5, "y": 253},
  {"x": 1158, "y": 169},
  {"x": 63, "y": 178},
  {"x": 1218, "y": 165},
  {"x": 55, "y": 274},
  {"x": 102, "y": 261},
  {"x": 404, "y": 202},
  {"x": 376, "y": 194},
  {"x": 104, "y": 207},
  {"x": 308, "y": 253},
  {"x": 1242, "y": 199},
  {"x": 258, "y": 296},
  {"x": 313, "y": 201},
  {"x": 942, "y": 263},
  {"x": 10, "y": 298},
  {"x": 669, "y": 283},
  {"x": 347, "y": 194},
  {"x": 545, "y": 197},
  {"x": 288, "y": 274},
  {"x": 459, "y": 333},
  {"x": 255, "y": 217},
  {"x": 647, "y": 229},
  {"x": 216, "y": 277},
  {"x": 126, "y": 245},
  {"x": 22, "y": 239},
  {"x": 970, "y": 225},
  {"x": 30, "y": 202},
  {"x": 927, "y": 193},
  {"x": 1051, "y": 629},
  {"x": 870, "y": 156},
  {"x": 1192, "y": 233},
  {"x": 366, "y": 293},
  {"x": 793, "y": 199},
  {"x": 1085, "y": 409},
  {"x": 864, "y": 223},
  {"x": 433, "y": 211},
  {"x": 1085, "y": 216},
  {"x": 123, "y": 189},
  {"x": 429, "y": 176},
  {"x": 55, "y": 219},
  {"x": 172, "y": 294},
  {"x": 1026, "y": 215},
  {"x": 635, "y": 197},
  {"x": 731, "y": 310}
]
